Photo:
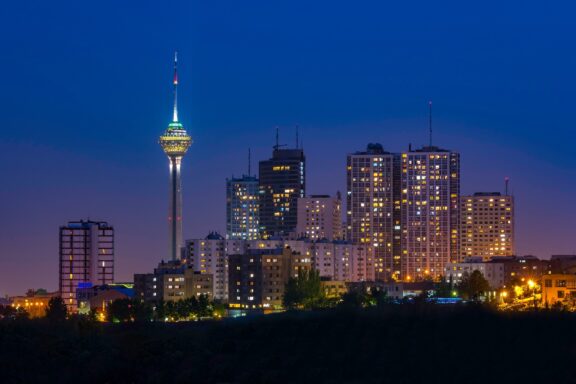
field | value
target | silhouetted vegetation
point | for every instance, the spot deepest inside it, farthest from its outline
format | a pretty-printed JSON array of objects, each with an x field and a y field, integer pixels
[
  {"x": 304, "y": 291},
  {"x": 415, "y": 343},
  {"x": 473, "y": 285},
  {"x": 56, "y": 310}
]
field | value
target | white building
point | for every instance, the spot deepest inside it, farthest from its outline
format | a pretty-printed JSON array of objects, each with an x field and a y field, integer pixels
[
  {"x": 209, "y": 256},
  {"x": 320, "y": 217},
  {"x": 494, "y": 273}
]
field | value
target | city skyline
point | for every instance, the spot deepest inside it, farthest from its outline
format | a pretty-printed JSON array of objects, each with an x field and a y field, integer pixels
[{"x": 495, "y": 138}]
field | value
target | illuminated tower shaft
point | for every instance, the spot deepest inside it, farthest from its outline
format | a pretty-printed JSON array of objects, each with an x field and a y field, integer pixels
[
  {"x": 175, "y": 208},
  {"x": 175, "y": 142}
]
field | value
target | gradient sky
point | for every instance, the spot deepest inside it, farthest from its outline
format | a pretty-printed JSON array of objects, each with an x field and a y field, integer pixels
[{"x": 85, "y": 92}]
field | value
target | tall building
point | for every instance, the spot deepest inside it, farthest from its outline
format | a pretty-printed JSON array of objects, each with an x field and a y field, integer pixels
[
  {"x": 430, "y": 211},
  {"x": 373, "y": 207},
  {"x": 242, "y": 208},
  {"x": 86, "y": 258},
  {"x": 486, "y": 225},
  {"x": 282, "y": 182},
  {"x": 320, "y": 217},
  {"x": 175, "y": 142},
  {"x": 208, "y": 256}
]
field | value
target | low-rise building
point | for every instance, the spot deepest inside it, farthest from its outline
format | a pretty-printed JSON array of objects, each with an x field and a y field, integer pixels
[
  {"x": 198, "y": 284},
  {"x": 257, "y": 278},
  {"x": 334, "y": 289},
  {"x": 519, "y": 269},
  {"x": 559, "y": 289},
  {"x": 494, "y": 273},
  {"x": 34, "y": 302},
  {"x": 98, "y": 297}
]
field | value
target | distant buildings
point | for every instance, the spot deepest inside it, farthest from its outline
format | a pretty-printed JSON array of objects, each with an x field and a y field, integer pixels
[
  {"x": 373, "y": 207},
  {"x": 320, "y": 217},
  {"x": 34, "y": 302},
  {"x": 242, "y": 208},
  {"x": 257, "y": 278},
  {"x": 487, "y": 225},
  {"x": 98, "y": 297},
  {"x": 86, "y": 257},
  {"x": 282, "y": 182},
  {"x": 430, "y": 212}
]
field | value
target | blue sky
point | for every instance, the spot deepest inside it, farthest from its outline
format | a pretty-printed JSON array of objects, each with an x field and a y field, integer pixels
[{"x": 85, "y": 91}]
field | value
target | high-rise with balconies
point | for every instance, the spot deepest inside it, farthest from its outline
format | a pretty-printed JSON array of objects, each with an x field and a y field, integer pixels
[
  {"x": 430, "y": 212},
  {"x": 373, "y": 207}
]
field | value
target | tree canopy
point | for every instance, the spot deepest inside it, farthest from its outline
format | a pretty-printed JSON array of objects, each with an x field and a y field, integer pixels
[{"x": 473, "y": 285}]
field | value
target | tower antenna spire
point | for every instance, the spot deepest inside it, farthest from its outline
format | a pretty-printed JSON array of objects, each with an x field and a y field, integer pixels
[
  {"x": 506, "y": 182},
  {"x": 430, "y": 122},
  {"x": 297, "y": 135},
  {"x": 249, "y": 162},
  {"x": 175, "y": 82}
]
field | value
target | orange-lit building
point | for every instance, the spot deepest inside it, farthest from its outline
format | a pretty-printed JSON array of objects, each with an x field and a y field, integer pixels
[{"x": 34, "y": 302}]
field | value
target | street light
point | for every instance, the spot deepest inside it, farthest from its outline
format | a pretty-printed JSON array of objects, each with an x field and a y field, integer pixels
[{"x": 532, "y": 286}]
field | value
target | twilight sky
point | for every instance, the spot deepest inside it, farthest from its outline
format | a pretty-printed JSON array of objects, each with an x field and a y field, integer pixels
[{"x": 85, "y": 92}]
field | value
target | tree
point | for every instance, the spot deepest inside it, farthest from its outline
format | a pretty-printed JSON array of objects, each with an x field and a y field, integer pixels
[
  {"x": 141, "y": 311},
  {"x": 444, "y": 287},
  {"x": 119, "y": 311},
  {"x": 304, "y": 291},
  {"x": 56, "y": 311},
  {"x": 473, "y": 285}
]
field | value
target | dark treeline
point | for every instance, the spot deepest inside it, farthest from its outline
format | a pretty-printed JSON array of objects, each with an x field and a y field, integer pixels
[{"x": 392, "y": 344}]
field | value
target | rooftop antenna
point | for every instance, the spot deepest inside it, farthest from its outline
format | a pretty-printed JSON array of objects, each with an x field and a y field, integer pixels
[
  {"x": 506, "y": 182},
  {"x": 175, "y": 82},
  {"x": 249, "y": 162},
  {"x": 277, "y": 139},
  {"x": 297, "y": 139},
  {"x": 430, "y": 121},
  {"x": 277, "y": 146}
]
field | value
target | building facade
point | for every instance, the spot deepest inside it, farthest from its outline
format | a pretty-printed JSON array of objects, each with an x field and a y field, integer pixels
[
  {"x": 559, "y": 289},
  {"x": 494, "y": 273},
  {"x": 373, "y": 207},
  {"x": 242, "y": 208},
  {"x": 320, "y": 217},
  {"x": 86, "y": 257},
  {"x": 486, "y": 225},
  {"x": 258, "y": 278},
  {"x": 210, "y": 256},
  {"x": 430, "y": 212},
  {"x": 282, "y": 183}
]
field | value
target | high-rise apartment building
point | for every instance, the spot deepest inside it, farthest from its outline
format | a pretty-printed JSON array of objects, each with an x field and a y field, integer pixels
[
  {"x": 86, "y": 257},
  {"x": 282, "y": 182},
  {"x": 242, "y": 208},
  {"x": 320, "y": 217},
  {"x": 373, "y": 207},
  {"x": 486, "y": 225},
  {"x": 430, "y": 212}
]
